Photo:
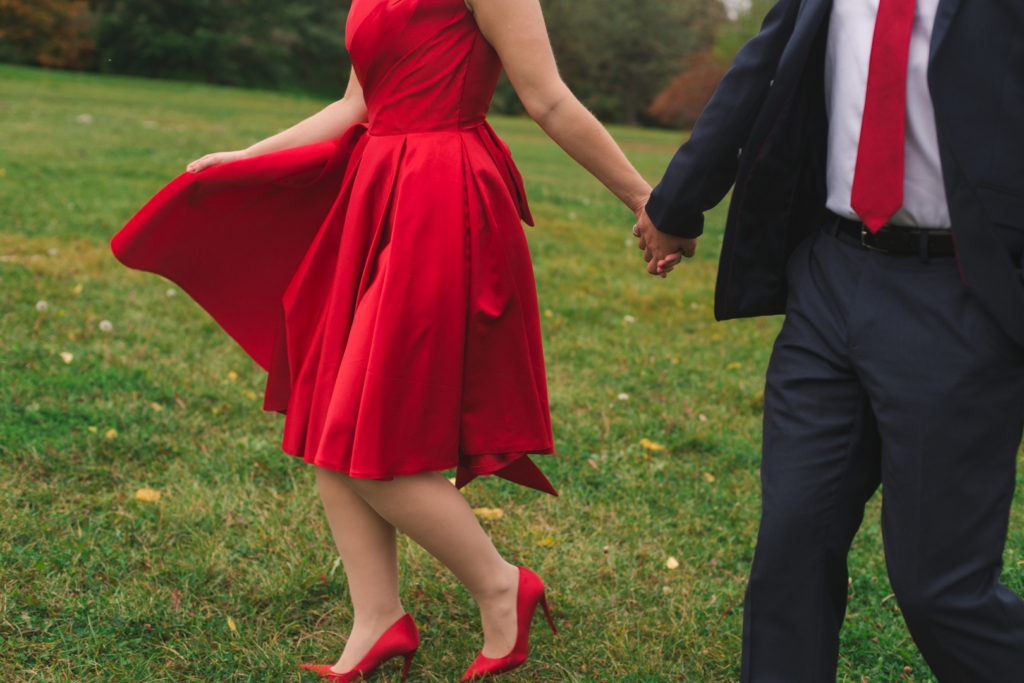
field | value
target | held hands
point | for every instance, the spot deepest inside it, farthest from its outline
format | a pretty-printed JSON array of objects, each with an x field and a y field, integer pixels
[
  {"x": 214, "y": 159},
  {"x": 662, "y": 251}
]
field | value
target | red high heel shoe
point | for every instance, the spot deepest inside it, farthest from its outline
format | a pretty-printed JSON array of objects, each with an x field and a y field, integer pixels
[
  {"x": 531, "y": 592},
  {"x": 402, "y": 639}
]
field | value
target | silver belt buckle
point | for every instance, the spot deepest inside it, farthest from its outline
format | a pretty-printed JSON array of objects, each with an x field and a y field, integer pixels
[{"x": 864, "y": 234}]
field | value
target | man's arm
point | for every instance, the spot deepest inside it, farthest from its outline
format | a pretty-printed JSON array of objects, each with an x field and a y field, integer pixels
[{"x": 704, "y": 168}]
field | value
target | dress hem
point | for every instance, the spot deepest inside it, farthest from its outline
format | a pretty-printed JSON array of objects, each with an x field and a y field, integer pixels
[{"x": 387, "y": 476}]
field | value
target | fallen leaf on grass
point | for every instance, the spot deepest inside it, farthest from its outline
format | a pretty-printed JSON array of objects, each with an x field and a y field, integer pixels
[
  {"x": 709, "y": 478},
  {"x": 547, "y": 542},
  {"x": 156, "y": 407},
  {"x": 232, "y": 626},
  {"x": 67, "y": 357},
  {"x": 672, "y": 563},
  {"x": 110, "y": 434},
  {"x": 93, "y": 430},
  {"x": 489, "y": 513},
  {"x": 148, "y": 495},
  {"x": 649, "y": 445},
  {"x": 734, "y": 366}
]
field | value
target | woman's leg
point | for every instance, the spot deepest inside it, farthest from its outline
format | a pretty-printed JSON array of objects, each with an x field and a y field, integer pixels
[
  {"x": 367, "y": 546},
  {"x": 432, "y": 512}
]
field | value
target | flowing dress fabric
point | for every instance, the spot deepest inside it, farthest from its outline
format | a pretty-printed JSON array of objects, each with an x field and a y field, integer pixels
[{"x": 383, "y": 279}]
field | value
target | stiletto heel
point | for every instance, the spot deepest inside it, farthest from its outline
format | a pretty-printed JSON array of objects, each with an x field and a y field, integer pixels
[
  {"x": 408, "y": 663},
  {"x": 402, "y": 639},
  {"x": 531, "y": 593},
  {"x": 547, "y": 613}
]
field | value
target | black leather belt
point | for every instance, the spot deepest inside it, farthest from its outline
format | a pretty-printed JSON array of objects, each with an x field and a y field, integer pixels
[{"x": 894, "y": 239}]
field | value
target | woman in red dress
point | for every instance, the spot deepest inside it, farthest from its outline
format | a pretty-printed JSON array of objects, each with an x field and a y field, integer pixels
[{"x": 372, "y": 259}]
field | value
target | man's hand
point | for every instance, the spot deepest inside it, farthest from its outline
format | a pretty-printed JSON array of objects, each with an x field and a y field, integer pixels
[{"x": 662, "y": 251}]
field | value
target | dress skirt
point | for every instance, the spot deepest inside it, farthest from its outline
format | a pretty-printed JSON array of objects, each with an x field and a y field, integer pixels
[{"x": 385, "y": 284}]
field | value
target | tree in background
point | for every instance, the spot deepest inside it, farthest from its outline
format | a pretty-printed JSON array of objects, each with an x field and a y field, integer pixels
[
  {"x": 683, "y": 99},
  {"x": 730, "y": 36},
  {"x": 297, "y": 45},
  {"x": 616, "y": 55},
  {"x": 46, "y": 32}
]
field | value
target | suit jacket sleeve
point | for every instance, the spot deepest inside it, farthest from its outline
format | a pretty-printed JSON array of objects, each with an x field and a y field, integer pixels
[{"x": 704, "y": 168}]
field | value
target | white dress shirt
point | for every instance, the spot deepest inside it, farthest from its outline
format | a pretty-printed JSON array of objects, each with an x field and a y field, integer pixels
[{"x": 846, "y": 76}]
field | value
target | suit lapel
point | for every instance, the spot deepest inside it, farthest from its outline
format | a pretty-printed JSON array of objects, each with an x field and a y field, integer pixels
[
  {"x": 818, "y": 9},
  {"x": 810, "y": 16},
  {"x": 943, "y": 20}
]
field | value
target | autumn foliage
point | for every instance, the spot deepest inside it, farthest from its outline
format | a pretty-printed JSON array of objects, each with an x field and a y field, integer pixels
[
  {"x": 682, "y": 101},
  {"x": 51, "y": 33}
]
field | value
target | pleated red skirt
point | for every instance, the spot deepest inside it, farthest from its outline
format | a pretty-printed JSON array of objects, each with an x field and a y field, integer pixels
[{"x": 385, "y": 283}]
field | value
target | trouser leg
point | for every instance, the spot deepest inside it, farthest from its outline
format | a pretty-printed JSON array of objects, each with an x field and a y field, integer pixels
[
  {"x": 948, "y": 392},
  {"x": 820, "y": 464}
]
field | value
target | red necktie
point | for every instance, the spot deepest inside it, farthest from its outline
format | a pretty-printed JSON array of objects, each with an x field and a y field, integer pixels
[{"x": 878, "y": 176}]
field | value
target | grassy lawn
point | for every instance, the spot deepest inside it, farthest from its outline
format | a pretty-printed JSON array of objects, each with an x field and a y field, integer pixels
[{"x": 112, "y": 381}]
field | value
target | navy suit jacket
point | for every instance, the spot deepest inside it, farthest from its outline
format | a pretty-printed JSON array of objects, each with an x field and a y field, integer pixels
[{"x": 764, "y": 131}]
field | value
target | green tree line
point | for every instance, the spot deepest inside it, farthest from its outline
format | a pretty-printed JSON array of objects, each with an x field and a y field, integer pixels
[{"x": 616, "y": 55}]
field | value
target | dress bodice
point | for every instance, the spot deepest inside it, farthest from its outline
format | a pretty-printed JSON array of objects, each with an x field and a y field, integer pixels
[{"x": 423, "y": 64}]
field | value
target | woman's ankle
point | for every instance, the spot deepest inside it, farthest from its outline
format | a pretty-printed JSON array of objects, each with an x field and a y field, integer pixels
[
  {"x": 502, "y": 585},
  {"x": 376, "y": 621}
]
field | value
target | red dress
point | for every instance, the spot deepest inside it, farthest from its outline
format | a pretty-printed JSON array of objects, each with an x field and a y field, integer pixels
[{"x": 383, "y": 279}]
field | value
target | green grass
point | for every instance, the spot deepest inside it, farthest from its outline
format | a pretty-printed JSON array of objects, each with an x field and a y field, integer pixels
[{"x": 231, "y": 574}]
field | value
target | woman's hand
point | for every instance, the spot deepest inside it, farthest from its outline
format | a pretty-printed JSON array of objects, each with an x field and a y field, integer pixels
[
  {"x": 214, "y": 159},
  {"x": 662, "y": 251},
  {"x": 330, "y": 123}
]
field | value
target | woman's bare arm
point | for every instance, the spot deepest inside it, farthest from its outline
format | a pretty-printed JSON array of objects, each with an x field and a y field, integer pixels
[
  {"x": 517, "y": 32},
  {"x": 329, "y": 123}
]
